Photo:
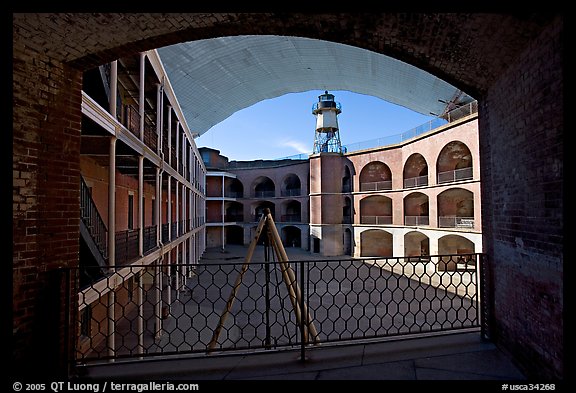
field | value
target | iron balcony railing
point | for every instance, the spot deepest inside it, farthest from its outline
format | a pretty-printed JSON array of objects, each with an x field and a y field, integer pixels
[
  {"x": 290, "y": 218},
  {"x": 416, "y": 220},
  {"x": 149, "y": 241},
  {"x": 132, "y": 119},
  {"x": 159, "y": 312},
  {"x": 376, "y": 220},
  {"x": 126, "y": 246},
  {"x": 416, "y": 181},
  {"x": 150, "y": 136},
  {"x": 90, "y": 215},
  {"x": 291, "y": 192},
  {"x": 264, "y": 194},
  {"x": 455, "y": 175},
  {"x": 455, "y": 222},
  {"x": 376, "y": 185}
]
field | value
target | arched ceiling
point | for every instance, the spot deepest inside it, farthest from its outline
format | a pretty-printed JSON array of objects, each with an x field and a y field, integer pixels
[{"x": 214, "y": 78}]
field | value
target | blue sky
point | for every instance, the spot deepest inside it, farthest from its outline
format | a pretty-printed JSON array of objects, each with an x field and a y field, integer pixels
[{"x": 284, "y": 126}]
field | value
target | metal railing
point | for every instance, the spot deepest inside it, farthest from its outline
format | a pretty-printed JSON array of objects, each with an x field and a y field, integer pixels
[
  {"x": 376, "y": 220},
  {"x": 126, "y": 246},
  {"x": 150, "y": 136},
  {"x": 455, "y": 175},
  {"x": 455, "y": 222},
  {"x": 292, "y": 192},
  {"x": 264, "y": 194},
  {"x": 132, "y": 119},
  {"x": 90, "y": 215},
  {"x": 416, "y": 181},
  {"x": 376, "y": 185},
  {"x": 290, "y": 218},
  {"x": 348, "y": 300},
  {"x": 149, "y": 241},
  {"x": 416, "y": 220}
]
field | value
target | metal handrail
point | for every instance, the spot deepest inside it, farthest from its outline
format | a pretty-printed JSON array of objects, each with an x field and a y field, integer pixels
[
  {"x": 416, "y": 181},
  {"x": 376, "y": 185},
  {"x": 92, "y": 219},
  {"x": 455, "y": 175},
  {"x": 455, "y": 222},
  {"x": 416, "y": 220},
  {"x": 350, "y": 300},
  {"x": 376, "y": 220}
]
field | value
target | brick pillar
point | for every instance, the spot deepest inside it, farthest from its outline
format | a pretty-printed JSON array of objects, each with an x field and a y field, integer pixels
[{"x": 46, "y": 207}]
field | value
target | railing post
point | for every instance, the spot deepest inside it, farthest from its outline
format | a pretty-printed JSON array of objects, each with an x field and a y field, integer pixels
[
  {"x": 486, "y": 301},
  {"x": 267, "y": 343},
  {"x": 303, "y": 316}
]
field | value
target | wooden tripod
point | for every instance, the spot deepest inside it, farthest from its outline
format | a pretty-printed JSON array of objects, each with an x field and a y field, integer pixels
[{"x": 310, "y": 333}]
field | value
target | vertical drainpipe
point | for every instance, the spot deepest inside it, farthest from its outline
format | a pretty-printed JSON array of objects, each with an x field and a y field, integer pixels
[
  {"x": 141, "y": 97},
  {"x": 112, "y": 245},
  {"x": 141, "y": 219},
  {"x": 158, "y": 269},
  {"x": 169, "y": 207},
  {"x": 158, "y": 282},
  {"x": 141, "y": 205},
  {"x": 112, "y": 100},
  {"x": 222, "y": 212},
  {"x": 177, "y": 187},
  {"x": 170, "y": 135}
]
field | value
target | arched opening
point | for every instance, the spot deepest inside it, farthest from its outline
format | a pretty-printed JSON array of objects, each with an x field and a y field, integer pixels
[
  {"x": 497, "y": 71},
  {"x": 416, "y": 209},
  {"x": 346, "y": 180},
  {"x": 456, "y": 208},
  {"x": 348, "y": 246},
  {"x": 454, "y": 163},
  {"x": 263, "y": 187},
  {"x": 376, "y": 243},
  {"x": 415, "y": 171},
  {"x": 234, "y": 212},
  {"x": 347, "y": 211},
  {"x": 454, "y": 244},
  {"x": 375, "y": 176},
  {"x": 291, "y": 236},
  {"x": 292, "y": 212},
  {"x": 416, "y": 246},
  {"x": 234, "y": 234},
  {"x": 233, "y": 188},
  {"x": 259, "y": 209},
  {"x": 376, "y": 210},
  {"x": 291, "y": 186}
]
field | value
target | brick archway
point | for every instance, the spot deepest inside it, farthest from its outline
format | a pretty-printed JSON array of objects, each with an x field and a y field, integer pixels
[{"x": 504, "y": 60}]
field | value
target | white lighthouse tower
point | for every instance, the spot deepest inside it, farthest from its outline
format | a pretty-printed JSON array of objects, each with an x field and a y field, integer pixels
[{"x": 327, "y": 136}]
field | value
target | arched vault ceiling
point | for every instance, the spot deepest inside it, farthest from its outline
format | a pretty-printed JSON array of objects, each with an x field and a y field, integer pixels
[{"x": 215, "y": 78}]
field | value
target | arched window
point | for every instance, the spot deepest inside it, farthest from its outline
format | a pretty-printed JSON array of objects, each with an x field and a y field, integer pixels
[
  {"x": 415, "y": 171},
  {"x": 454, "y": 163},
  {"x": 375, "y": 176}
]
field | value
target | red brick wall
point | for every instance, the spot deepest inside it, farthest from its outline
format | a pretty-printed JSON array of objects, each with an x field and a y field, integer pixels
[
  {"x": 522, "y": 186},
  {"x": 46, "y": 201}
]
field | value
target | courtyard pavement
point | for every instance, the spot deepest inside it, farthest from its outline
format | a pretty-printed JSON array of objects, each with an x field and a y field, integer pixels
[{"x": 454, "y": 356}]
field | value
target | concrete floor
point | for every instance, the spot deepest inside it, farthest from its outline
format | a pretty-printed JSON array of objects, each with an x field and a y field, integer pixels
[{"x": 461, "y": 356}]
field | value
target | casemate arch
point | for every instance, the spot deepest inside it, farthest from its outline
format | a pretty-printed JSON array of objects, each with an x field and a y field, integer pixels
[{"x": 498, "y": 59}]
